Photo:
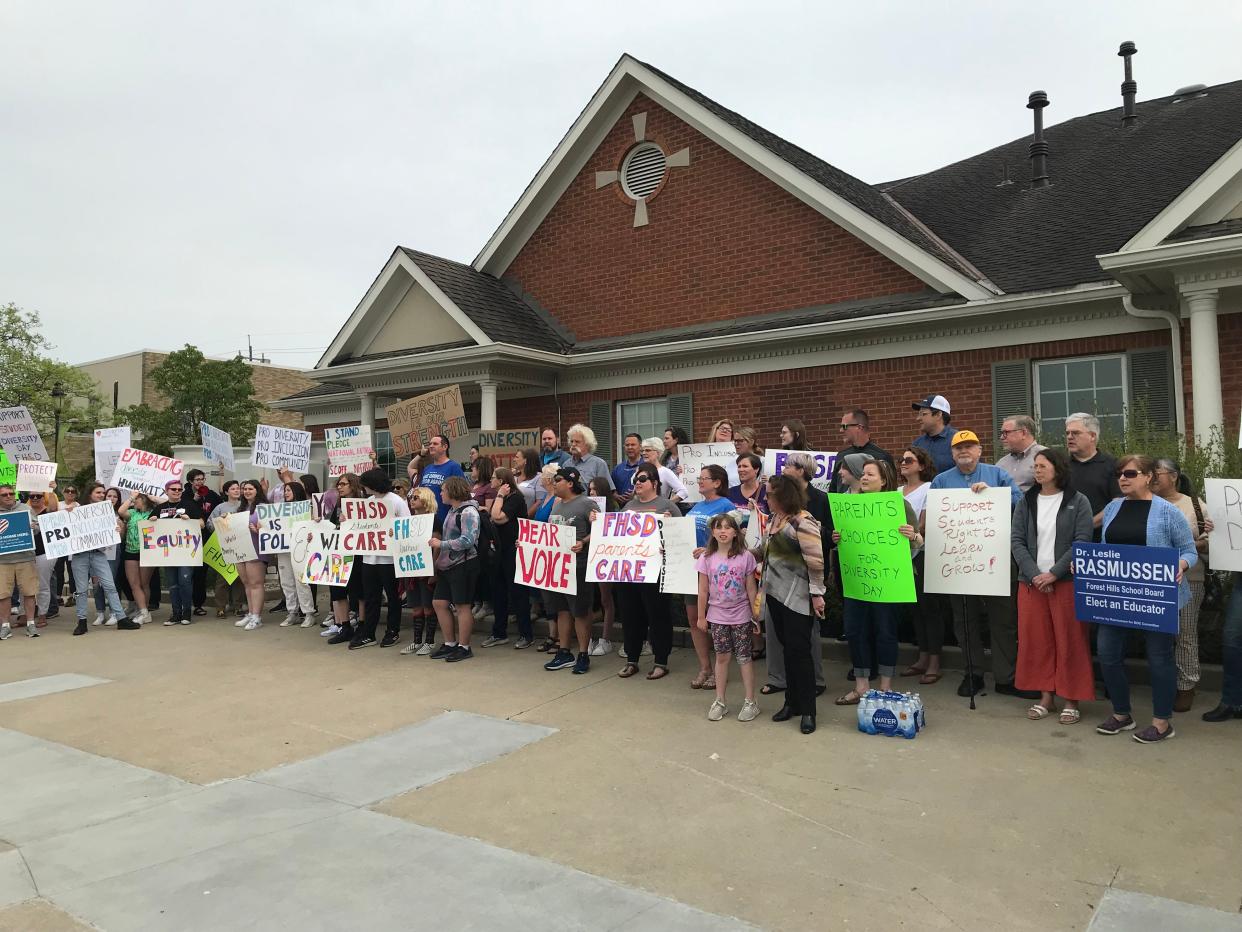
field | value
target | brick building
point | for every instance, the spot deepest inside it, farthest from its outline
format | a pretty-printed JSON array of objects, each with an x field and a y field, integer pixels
[{"x": 674, "y": 263}]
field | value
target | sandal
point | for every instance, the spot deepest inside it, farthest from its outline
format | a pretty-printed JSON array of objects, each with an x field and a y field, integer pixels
[
  {"x": 913, "y": 671},
  {"x": 546, "y": 646},
  {"x": 700, "y": 680},
  {"x": 1037, "y": 712},
  {"x": 1070, "y": 716},
  {"x": 767, "y": 689},
  {"x": 710, "y": 682},
  {"x": 657, "y": 672},
  {"x": 850, "y": 698},
  {"x": 928, "y": 678},
  {"x": 628, "y": 670}
]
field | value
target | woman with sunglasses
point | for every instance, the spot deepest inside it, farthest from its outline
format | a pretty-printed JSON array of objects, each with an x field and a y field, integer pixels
[
  {"x": 644, "y": 608},
  {"x": 670, "y": 484},
  {"x": 917, "y": 469},
  {"x": 1144, "y": 520}
]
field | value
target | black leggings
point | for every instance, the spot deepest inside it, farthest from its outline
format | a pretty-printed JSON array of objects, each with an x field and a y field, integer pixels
[
  {"x": 645, "y": 617},
  {"x": 379, "y": 579},
  {"x": 794, "y": 632}
]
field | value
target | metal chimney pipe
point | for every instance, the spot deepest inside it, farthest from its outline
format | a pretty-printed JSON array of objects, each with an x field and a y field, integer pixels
[
  {"x": 1039, "y": 149},
  {"x": 1129, "y": 87}
]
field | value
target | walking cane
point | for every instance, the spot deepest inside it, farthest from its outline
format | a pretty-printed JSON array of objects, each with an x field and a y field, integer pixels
[{"x": 970, "y": 663}]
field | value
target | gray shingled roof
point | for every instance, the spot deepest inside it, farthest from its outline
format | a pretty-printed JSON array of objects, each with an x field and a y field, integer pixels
[
  {"x": 323, "y": 388},
  {"x": 1108, "y": 182}
]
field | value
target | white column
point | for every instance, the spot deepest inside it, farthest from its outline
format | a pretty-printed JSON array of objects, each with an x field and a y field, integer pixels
[
  {"x": 366, "y": 410},
  {"x": 1205, "y": 362},
  {"x": 487, "y": 413}
]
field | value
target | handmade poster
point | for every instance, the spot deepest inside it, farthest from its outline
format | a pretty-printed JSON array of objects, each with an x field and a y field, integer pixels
[
  {"x": 35, "y": 476},
  {"x": 281, "y": 448},
  {"x": 1224, "y": 507},
  {"x": 601, "y": 503},
  {"x": 19, "y": 437},
  {"x": 170, "y": 542},
  {"x": 349, "y": 450},
  {"x": 678, "y": 540},
  {"x": 317, "y": 557},
  {"x": 276, "y": 524},
  {"x": 876, "y": 561},
  {"x": 967, "y": 545},
  {"x": 625, "y": 548},
  {"x": 355, "y": 509},
  {"x": 233, "y": 535},
  {"x": 825, "y": 463},
  {"x": 214, "y": 557},
  {"x": 109, "y": 443},
  {"x": 1126, "y": 586},
  {"x": 8, "y": 470},
  {"x": 411, "y": 546},
  {"x": 16, "y": 535},
  {"x": 413, "y": 422},
  {"x": 316, "y": 501},
  {"x": 140, "y": 471},
  {"x": 504, "y": 447},
  {"x": 366, "y": 528},
  {"x": 544, "y": 558},
  {"x": 217, "y": 446},
  {"x": 692, "y": 457},
  {"x": 87, "y": 527}
]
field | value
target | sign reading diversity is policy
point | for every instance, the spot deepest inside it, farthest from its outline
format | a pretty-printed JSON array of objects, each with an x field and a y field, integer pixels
[
  {"x": 87, "y": 527},
  {"x": 876, "y": 564},
  {"x": 544, "y": 558},
  {"x": 1126, "y": 586},
  {"x": 281, "y": 448},
  {"x": 967, "y": 549},
  {"x": 625, "y": 548},
  {"x": 825, "y": 463},
  {"x": 276, "y": 523},
  {"x": 413, "y": 422}
]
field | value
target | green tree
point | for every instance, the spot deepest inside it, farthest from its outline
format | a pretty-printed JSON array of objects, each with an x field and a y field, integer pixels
[
  {"x": 28, "y": 374},
  {"x": 198, "y": 389}
]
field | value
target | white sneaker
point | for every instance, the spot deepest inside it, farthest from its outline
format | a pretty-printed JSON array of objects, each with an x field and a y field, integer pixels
[
  {"x": 646, "y": 649},
  {"x": 241, "y": 622},
  {"x": 750, "y": 709},
  {"x": 478, "y": 611},
  {"x": 717, "y": 711},
  {"x": 142, "y": 617},
  {"x": 31, "y": 630},
  {"x": 330, "y": 631},
  {"x": 602, "y": 646},
  {"x": 254, "y": 622},
  {"x": 99, "y": 619},
  {"x": 591, "y": 646},
  {"x": 410, "y": 649},
  {"x": 6, "y": 631},
  {"x": 111, "y": 620},
  {"x": 308, "y": 621},
  {"x": 424, "y": 650},
  {"x": 290, "y": 620}
]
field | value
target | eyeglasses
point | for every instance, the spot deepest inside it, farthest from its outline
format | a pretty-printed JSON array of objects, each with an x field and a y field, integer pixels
[
  {"x": 1128, "y": 473},
  {"x": 848, "y": 426},
  {"x": 1006, "y": 433},
  {"x": 1075, "y": 433},
  {"x": 6, "y": 494}
]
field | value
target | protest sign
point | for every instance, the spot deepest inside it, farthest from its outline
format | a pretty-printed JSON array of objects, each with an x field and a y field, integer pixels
[
  {"x": 544, "y": 558},
  {"x": 692, "y": 457},
  {"x": 316, "y": 501},
  {"x": 825, "y": 463},
  {"x": 8, "y": 470},
  {"x": 276, "y": 521},
  {"x": 281, "y": 448},
  {"x": 876, "y": 563},
  {"x": 1126, "y": 586},
  {"x": 413, "y": 422},
  {"x": 233, "y": 536},
  {"x": 678, "y": 538},
  {"x": 217, "y": 446},
  {"x": 349, "y": 450},
  {"x": 625, "y": 548},
  {"x": 967, "y": 547},
  {"x": 140, "y": 471},
  {"x": 411, "y": 546},
  {"x": 213, "y": 556},
  {"x": 87, "y": 527},
  {"x": 170, "y": 542},
  {"x": 15, "y": 532},
  {"x": 1224, "y": 507},
  {"x": 19, "y": 437},
  {"x": 356, "y": 509},
  {"x": 504, "y": 447},
  {"x": 316, "y": 555},
  {"x": 35, "y": 476},
  {"x": 109, "y": 442},
  {"x": 366, "y": 528}
]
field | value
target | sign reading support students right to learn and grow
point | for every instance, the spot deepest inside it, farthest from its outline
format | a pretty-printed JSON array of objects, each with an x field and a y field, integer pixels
[{"x": 1126, "y": 586}]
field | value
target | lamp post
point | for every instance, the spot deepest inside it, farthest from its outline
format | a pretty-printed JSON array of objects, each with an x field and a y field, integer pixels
[{"x": 58, "y": 394}]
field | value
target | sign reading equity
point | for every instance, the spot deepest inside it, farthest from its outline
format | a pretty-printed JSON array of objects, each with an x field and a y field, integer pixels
[
  {"x": 349, "y": 450},
  {"x": 217, "y": 446},
  {"x": 692, "y": 457},
  {"x": 678, "y": 538},
  {"x": 317, "y": 557},
  {"x": 109, "y": 443},
  {"x": 544, "y": 557},
  {"x": 15, "y": 532},
  {"x": 625, "y": 547},
  {"x": 276, "y": 524},
  {"x": 170, "y": 542},
  {"x": 876, "y": 565},
  {"x": 87, "y": 527},
  {"x": 35, "y": 476},
  {"x": 825, "y": 463},
  {"x": 281, "y": 448},
  {"x": 18, "y": 435},
  {"x": 967, "y": 550},
  {"x": 1126, "y": 586},
  {"x": 411, "y": 546},
  {"x": 233, "y": 535},
  {"x": 505, "y": 446},
  {"x": 1224, "y": 507},
  {"x": 414, "y": 421},
  {"x": 140, "y": 471}
]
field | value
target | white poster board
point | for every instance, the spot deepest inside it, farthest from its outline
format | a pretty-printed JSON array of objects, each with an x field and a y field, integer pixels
[
  {"x": 692, "y": 457},
  {"x": 217, "y": 446},
  {"x": 825, "y": 463},
  {"x": 281, "y": 448},
  {"x": 19, "y": 437},
  {"x": 109, "y": 442},
  {"x": 544, "y": 558},
  {"x": 316, "y": 555},
  {"x": 679, "y": 538},
  {"x": 148, "y": 473},
  {"x": 410, "y": 545},
  {"x": 87, "y": 527},
  {"x": 276, "y": 523},
  {"x": 35, "y": 476},
  {"x": 233, "y": 536},
  {"x": 625, "y": 548},
  {"x": 349, "y": 450},
  {"x": 968, "y": 548},
  {"x": 366, "y": 528},
  {"x": 170, "y": 542},
  {"x": 1224, "y": 507}
]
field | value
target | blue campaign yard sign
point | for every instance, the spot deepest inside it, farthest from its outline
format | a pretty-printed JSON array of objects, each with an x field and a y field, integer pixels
[
  {"x": 1126, "y": 586},
  {"x": 15, "y": 533}
]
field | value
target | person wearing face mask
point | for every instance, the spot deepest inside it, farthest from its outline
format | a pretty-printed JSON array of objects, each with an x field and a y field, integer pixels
[{"x": 88, "y": 563}]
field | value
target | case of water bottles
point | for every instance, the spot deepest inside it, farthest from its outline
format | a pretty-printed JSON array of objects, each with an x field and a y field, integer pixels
[{"x": 896, "y": 715}]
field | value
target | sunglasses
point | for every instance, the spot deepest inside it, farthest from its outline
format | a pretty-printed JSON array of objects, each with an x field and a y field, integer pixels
[
  {"x": 848, "y": 426},
  {"x": 1128, "y": 473},
  {"x": 173, "y": 488},
  {"x": 908, "y": 461},
  {"x": 638, "y": 479}
]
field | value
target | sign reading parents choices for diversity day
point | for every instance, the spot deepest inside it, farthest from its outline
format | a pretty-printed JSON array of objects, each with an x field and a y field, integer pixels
[
  {"x": 281, "y": 448},
  {"x": 1126, "y": 586},
  {"x": 544, "y": 557},
  {"x": 19, "y": 437},
  {"x": 967, "y": 548},
  {"x": 87, "y": 527},
  {"x": 876, "y": 564},
  {"x": 140, "y": 471}
]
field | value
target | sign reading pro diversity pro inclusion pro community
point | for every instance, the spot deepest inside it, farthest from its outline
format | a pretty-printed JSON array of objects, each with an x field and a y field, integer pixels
[{"x": 1126, "y": 586}]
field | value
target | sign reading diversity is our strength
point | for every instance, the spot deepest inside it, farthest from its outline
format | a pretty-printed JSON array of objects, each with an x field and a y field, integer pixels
[
  {"x": 875, "y": 557},
  {"x": 413, "y": 422}
]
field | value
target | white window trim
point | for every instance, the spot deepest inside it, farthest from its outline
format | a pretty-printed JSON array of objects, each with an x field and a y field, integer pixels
[
  {"x": 619, "y": 432},
  {"x": 1125, "y": 382}
]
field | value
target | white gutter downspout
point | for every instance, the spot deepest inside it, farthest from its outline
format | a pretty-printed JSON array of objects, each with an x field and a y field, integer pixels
[{"x": 1175, "y": 334}]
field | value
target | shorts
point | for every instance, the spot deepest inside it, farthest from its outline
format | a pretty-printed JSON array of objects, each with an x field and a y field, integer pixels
[
  {"x": 133, "y": 557},
  {"x": 579, "y": 606},
  {"x": 731, "y": 639},
  {"x": 23, "y": 575},
  {"x": 456, "y": 584}
]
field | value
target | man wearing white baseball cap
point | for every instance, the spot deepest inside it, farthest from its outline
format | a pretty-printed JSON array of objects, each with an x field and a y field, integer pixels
[{"x": 935, "y": 435}]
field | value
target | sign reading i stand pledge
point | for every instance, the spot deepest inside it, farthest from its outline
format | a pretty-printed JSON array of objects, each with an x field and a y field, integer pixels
[
  {"x": 281, "y": 448},
  {"x": 1126, "y": 586},
  {"x": 349, "y": 450}
]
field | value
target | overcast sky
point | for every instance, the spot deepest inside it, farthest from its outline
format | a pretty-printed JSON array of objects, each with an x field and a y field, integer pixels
[{"x": 175, "y": 172}]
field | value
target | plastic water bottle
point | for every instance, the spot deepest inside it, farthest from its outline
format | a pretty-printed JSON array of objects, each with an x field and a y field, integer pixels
[
  {"x": 906, "y": 717},
  {"x": 921, "y": 712}
]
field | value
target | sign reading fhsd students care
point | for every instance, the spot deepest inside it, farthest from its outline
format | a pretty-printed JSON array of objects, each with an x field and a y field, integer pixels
[
  {"x": 413, "y": 422},
  {"x": 1126, "y": 586},
  {"x": 87, "y": 527},
  {"x": 281, "y": 448},
  {"x": 410, "y": 545}
]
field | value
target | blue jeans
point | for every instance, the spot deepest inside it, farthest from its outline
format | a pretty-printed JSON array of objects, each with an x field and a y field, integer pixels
[
  {"x": 861, "y": 619},
  {"x": 180, "y": 589},
  {"x": 1231, "y": 687},
  {"x": 1111, "y": 647},
  {"x": 99, "y": 590},
  {"x": 94, "y": 563}
]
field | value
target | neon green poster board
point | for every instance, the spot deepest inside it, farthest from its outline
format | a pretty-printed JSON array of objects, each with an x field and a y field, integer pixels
[
  {"x": 875, "y": 558},
  {"x": 215, "y": 559}
]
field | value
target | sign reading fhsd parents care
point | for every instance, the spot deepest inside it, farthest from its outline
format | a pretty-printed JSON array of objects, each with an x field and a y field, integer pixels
[
  {"x": 825, "y": 463},
  {"x": 170, "y": 542},
  {"x": 876, "y": 564},
  {"x": 413, "y": 422},
  {"x": 18, "y": 435},
  {"x": 281, "y": 448},
  {"x": 87, "y": 527},
  {"x": 1126, "y": 586},
  {"x": 140, "y": 471},
  {"x": 967, "y": 549},
  {"x": 625, "y": 548}
]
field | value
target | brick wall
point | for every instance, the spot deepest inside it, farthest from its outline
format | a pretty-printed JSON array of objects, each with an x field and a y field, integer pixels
[{"x": 722, "y": 242}]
